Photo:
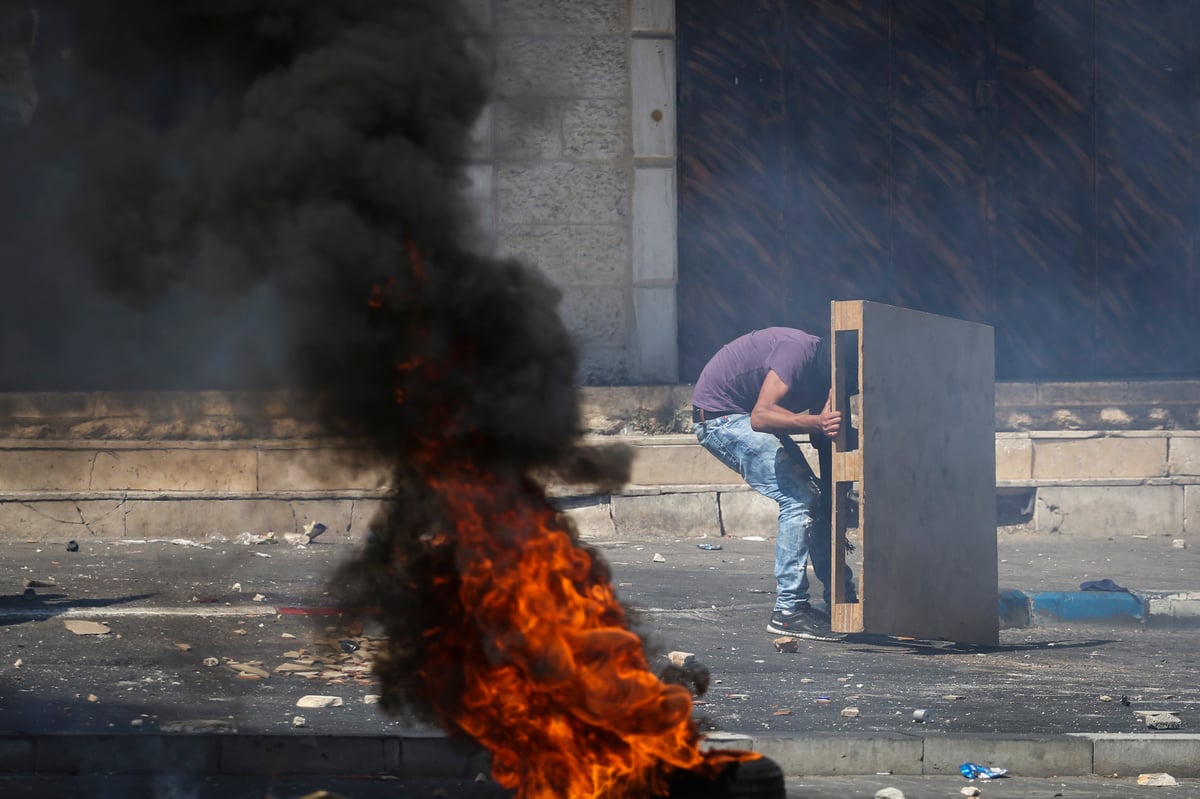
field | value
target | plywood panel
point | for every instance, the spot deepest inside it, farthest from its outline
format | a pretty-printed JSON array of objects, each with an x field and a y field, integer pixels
[{"x": 926, "y": 461}]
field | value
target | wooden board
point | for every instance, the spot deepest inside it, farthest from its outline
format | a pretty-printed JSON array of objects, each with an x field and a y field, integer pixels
[{"x": 925, "y": 464}]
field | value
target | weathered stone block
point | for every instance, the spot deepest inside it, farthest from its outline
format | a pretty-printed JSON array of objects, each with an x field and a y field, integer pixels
[
  {"x": 679, "y": 463},
  {"x": 748, "y": 512},
  {"x": 1014, "y": 458},
  {"x": 657, "y": 356},
  {"x": 652, "y": 77},
  {"x": 45, "y": 469},
  {"x": 595, "y": 129},
  {"x": 320, "y": 754},
  {"x": 175, "y": 470},
  {"x": 556, "y": 193},
  {"x": 603, "y": 365},
  {"x": 686, "y": 515},
  {"x": 1191, "y": 509},
  {"x": 592, "y": 516},
  {"x": 1111, "y": 456},
  {"x": 62, "y": 520},
  {"x": 653, "y": 16},
  {"x": 47, "y": 405},
  {"x": 654, "y": 228},
  {"x": 1183, "y": 456},
  {"x": 1035, "y": 756},
  {"x": 1110, "y": 510},
  {"x": 830, "y": 755},
  {"x": 1084, "y": 393},
  {"x": 594, "y": 255},
  {"x": 1175, "y": 754},
  {"x": 561, "y": 16},
  {"x": 595, "y": 315},
  {"x": 200, "y": 518},
  {"x": 567, "y": 66},
  {"x": 529, "y": 128}
]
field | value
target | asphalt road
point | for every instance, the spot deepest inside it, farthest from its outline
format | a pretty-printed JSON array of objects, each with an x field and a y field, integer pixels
[{"x": 169, "y": 607}]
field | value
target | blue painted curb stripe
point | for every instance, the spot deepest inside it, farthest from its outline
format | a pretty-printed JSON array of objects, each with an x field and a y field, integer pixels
[{"x": 1086, "y": 606}]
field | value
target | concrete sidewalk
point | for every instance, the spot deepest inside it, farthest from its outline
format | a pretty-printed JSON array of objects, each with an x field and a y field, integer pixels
[{"x": 1061, "y": 694}]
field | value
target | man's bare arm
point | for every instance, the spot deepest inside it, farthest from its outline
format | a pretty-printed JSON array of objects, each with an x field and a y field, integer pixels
[{"x": 769, "y": 415}]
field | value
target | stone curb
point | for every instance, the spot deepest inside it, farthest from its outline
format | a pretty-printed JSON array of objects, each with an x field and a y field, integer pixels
[
  {"x": 1160, "y": 608},
  {"x": 433, "y": 755}
]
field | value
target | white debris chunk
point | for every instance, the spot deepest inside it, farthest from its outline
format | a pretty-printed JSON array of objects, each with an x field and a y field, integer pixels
[
  {"x": 889, "y": 793},
  {"x": 659, "y": 558},
  {"x": 315, "y": 700},
  {"x": 1160, "y": 779},
  {"x": 81, "y": 627}
]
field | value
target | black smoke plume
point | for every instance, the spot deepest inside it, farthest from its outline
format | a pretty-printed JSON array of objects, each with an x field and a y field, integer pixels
[{"x": 293, "y": 169}]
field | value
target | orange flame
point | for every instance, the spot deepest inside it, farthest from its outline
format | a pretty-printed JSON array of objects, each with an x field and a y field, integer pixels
[{"x": 553, "y": 683}]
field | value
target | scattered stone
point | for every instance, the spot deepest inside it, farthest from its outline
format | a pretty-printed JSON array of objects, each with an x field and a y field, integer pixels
[
  {"x": 970, "y": 790},
  {"x": 682, "y": 659},
  {"x": 299, "y": 721},
  {"x": 806, "y": 680},
  {"x": 782, "y": 712},
  {"x": 240, "y": 631},
  {"x": 93, "y": 698},
  {"x": 843, "y": 679},
  {"x": 184, "y": 647},
  {"x": 39, "y": 584},
  {"x": 659, "y": 558},
  {"x": 287, "y": 635},
  {"x": 137, "y": 722},
  {"x": 81, "y": 627},
  {"x": 787, "y": 644},
  {"x": 236, "y": 588},
  {"x": 249, "y": 668},
  {"x": 951, "y": 697},
  {"x": 823, "y": 700},
  {"x": 481, "y": 777},
  {"x": 1163, "y": 721},
  {"x": 1161, "y": 779},
  {"x": 889, "y": 793},
  {"x": 259, "y": 598},
  {"x": 850, "y": 712},
  {"x": 193, "y": 726},
  {"x": 371, "y": 699},
  {"x": 210, "y": 662},
  {"x": 1179, "y": 543},
  {"x": 738, "y": 696},
  {"x": 17, "y": 663},
  {"x": 1105, "y": 698},
  {"x": 314, "y": 700}
]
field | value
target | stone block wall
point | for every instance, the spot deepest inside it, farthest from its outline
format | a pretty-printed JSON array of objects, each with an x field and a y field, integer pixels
[{"x": 573, "y": 169}]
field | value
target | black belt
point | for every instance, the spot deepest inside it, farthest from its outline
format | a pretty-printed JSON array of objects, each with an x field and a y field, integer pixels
[{"x": 701, "y": 415}]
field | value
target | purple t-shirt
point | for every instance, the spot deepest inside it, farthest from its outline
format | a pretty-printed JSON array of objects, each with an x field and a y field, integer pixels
[{"x": 732, "y": 379}]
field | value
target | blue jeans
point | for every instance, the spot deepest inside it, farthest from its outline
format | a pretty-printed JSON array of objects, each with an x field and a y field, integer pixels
[{"x": 775, "y": 467}]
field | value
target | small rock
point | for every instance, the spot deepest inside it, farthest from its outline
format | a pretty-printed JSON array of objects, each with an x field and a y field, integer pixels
[
  {"x": 970, "y": 790},
  {"x": 184, "y": 647},
  {"x": 951, "y": 697},
  {"x": 287, "y": 635},
  {"x": 236, "y": 588},
  {"x": 298, "y": 721},
  {"x": 81, "y": 627},
  {"x": 210, "y": 662},
  {"x": 806, "y": 680},
  {"x": 137, "y": 722},
  {"x": 1179, "y": 543},
  {"x": 1163, "y": 721},
  {"x": 259, "y": 598},
  {"x": 93, "y": 698},
  {"x": 371, "y": 699},
  {"x": 682, "y": 659},
  {"x": 17, "y": 663},
  {"x": 659, "y": 558},
  {"x": 1161, "y": 779},
  {"x": 481, "y": 777},
  {"x": 314, "y": 700},
  {"x": 1105, "y": 698},
  {"x": 849, "y": 712},
  {"x": 889, "y": 793},
  {"x": 787, "y": 644}
]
